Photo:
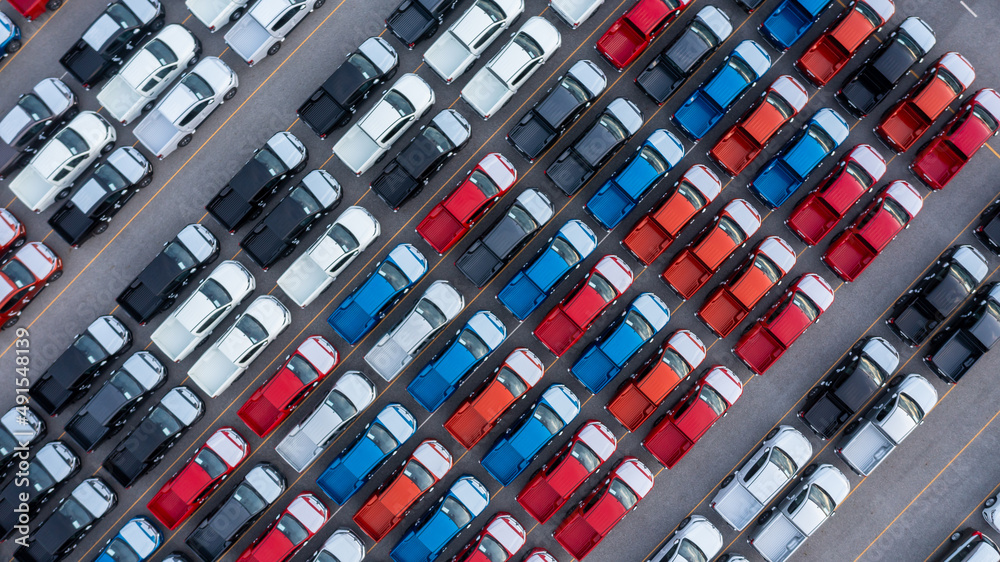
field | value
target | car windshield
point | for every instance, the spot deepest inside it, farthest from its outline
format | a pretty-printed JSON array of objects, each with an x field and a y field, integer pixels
[
  {"x": 732, "y": 230},
  {"x": 438, "y": 139},
  {"x": 456, "y": 512},
  {"x": 292, "y": 529},
  {"x": 198, "y": 86},
  {"x": 472, "y": 342},
  {"x": 126, "y": 385},
  {"x": 161, "y": 51},
  {"x": 39, "y": 478},
  {"x": 709, "y": 396},
  {"x": 642, "y": 328},
  {"x": 654, "y": 159},
  {"x": 740, "y": 65},
  {"x": 602, "y": 287},
  {"x": 871, "y": 370},
  {"x": 393, "y": 275},
  {"x": 18, "y": 274},
  {"x": 623, "y": 493},
  {"x": 396, "y": 100},
  {"x": 822, "y": 500},
  {"x": 418, "y": 475},
  {"x": 911, "y": 408},
  {"x": 585, "y": 456},
  {"x": 163, "y": 419},
  {"x": 430, "y": 313},
  {"x": 563, "y": 249},
  {"x": 491, "y": 550},
  {"x": 75, "y": 513},
  {"x": 769, "y": 268},
  {"x": 806, "y": 306},
  {"x": 533, "y": 49},
  {"x": 869, "y": 14},
  {"x": 985, "y": 117},
  {"x": 575, "y": 89},
  {"x": 340, "y": 404},
  {"x": 780, "y": 104},
  {"x": 950, "y": 80},
  {"x": 484, "y": 183},
  {"x": 119, "y": 551},
  {"x": 511, "y": 382},
  {"x": 784, "y": 463},
  {"x": 617, "y": 130},
  {"x": 915, "y": 51},
  {"x": 34, "y": 107},
  {"x": 688, "y": 551},
  {"x": 364, "y": 66},
  {"x": 309, "y": 203},
  {"x": 522, "y": 218},
  {"x": 491, "y": 9},
  {"x": 821, "y": 137},
  {"x": 858, "y": 173},
  {"x": 552, "y": 422},
  {"x": 110, "y": 178},
  {"x": 343, "y": 238},
  {"x": 251, "y": 328},
  {"x": 89, "y": 348},
  {"x": 214, "y": 292},
  {"x": 122, "y": 16},
  {"x": 676, "y": 363},
  {"x": 382, "y": 439},
  {"x": 326, "y": 556},
  {"x": 210, "y": 463},
  {"x": 301, "y": 368},
  {"x": 269, "y": 160},
  {"x": 963, "y": 277},
  {"x": 688, "y": 191},
  {"x": 249, "y": 499},
  {"x": 180, "y": 255},
  {"x": 72, "y": 140}
]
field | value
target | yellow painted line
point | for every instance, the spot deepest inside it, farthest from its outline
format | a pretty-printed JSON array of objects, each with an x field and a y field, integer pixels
[{"x": 993, "y": 150}]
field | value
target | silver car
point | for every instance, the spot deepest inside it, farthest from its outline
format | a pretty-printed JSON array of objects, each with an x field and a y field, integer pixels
[
  {"x": 266, "y": 25},
  {"x": 216, "y": 13},
  {"x": 695, "y": 539},
  {"x": 464, "y": 42}
]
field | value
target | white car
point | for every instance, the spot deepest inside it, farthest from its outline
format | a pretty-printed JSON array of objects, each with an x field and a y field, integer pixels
[
  {"x": 459, "y": 47},
  {"x": 493, "y": 86},
  {"x": 315, "y": 270},
  {"x": 342, "y": 546},
  {"x": 59, "y": 163},
  {"x": 193, "y": 321},
  {"x": 172, "y": 123},
  {"x": 216, "y": 13},
  {"x": 695, "y": 539},
  {"x": 266, "y": 25},
  {"x": 575, "y": 12},
  {"x": 409, "y": 99},
  {"x": 148, "y": 73}
]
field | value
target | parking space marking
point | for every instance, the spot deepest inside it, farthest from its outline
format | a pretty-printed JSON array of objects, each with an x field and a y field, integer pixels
[
  {"x": 993, "y": 150},
  {"x": 959, "y": 526},
  {"x": 966, "y": 6}
]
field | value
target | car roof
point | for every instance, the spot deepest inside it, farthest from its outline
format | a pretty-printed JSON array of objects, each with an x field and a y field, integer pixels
[
  {"x": 921, "y": 33},
  {"x": 145, "y": 368},
  {"x": 959, "y": 67},
  {"x": 183, "y": 404},
  {"x": 652, "y": 309},
  {"x": 744, "y": 214},
  {"x": 904, "y": 194},
  {"x": 562, "y": 401},
  {"x": 432, "y": 455},
  {"x": 269, "y": 311},
  {"x": 689, "y": 346},
  {"x": 345, "y": 540},
  {"x": 198, "y": 240},
  {"x": 616, "y": 271},
  {"x": 703, "y": 533},
  {"x": 596, "y": 436},
  {"x": 667, "y": 145},
  {"x": 109, "y": 332},
  {"x": 832, "y": 123},
  {"x": 526, "y": 364},
  {"x": 869, "y": 159},
  {"x": 792, "y": 91},
  {"x": 816, "y": 288},
  {"x": 635, "y": 475},
  {"x": 58, "y": 460},
  {"x": 318, "y": 351},
  {"x": 725, "y": 382},
  {"x": 778, "y": 251}
]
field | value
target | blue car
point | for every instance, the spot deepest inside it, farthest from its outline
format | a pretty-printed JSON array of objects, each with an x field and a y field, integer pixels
[
  {"x": 525, "y": 438},
  {"x": 788, "y": 169},
  {"x": 371, "y": 301},
  {"x": 791, "y": 20},
  {"x": 607, "y": 355},
  {"x": 10, "y": 36},
  {"x": 730, "y": 80},
  {"x": 482, "y": 334},
  {"x": 536, "y": 280},
  {"x": 137, "y": 540},
  {"x": 354, "y": 465},
  {"x": 451, "y": 515},
  {"x": 637, "y": 177}
]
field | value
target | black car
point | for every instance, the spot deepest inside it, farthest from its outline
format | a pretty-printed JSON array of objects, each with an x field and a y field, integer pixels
[
  {"x": 243, "y": 198},
  {"x": 108, "y": 409},
  {"x": 988, "y": 230},
  {"x": 244, "y": 505},
  {"x": 49, "y": 106},
  {"x": 98, "y": 199},
  {"x": 332, "y": 105},
  {"x": 852, "y": 383},
  {"x": 20, "y": 428},
  {"x": 48, "y": 469},
  {"x": 968, "y": 337},
  {"x": 867, "y": 86},
  {"x": 154, "y": 435},
  {"x": 72, "y": 373},
  {"x": 156, "y": 288},
  {"x": 935, "y": 297},
  {"x": 61, "y": 531},
  {"x": 119, "y": 29},
  {"x": 596, "y": 146},
  {"x": 487, "y": 255},
  {"x": 415, "y": 20},
  {"x": 685, "y": 54},
  {"x": 425, "y": 154},
  {"x": 563, "y": 104}
]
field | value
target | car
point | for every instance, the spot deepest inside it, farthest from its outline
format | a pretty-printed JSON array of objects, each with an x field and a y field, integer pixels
[
  {"x": 839, "y": 42},
  {"x": 23, "y": 276},
  {"x": 643, "y": 392},
  {"x": 473, "y": 32},
  {"x": 20, "y": 427},
  {"x": 416, "y": 165},
  {"x": 289, "y": 531},
  {"x": 482, "y": 334},
  {"x": 550, "y": 488},
  {"x": 370, "y": 301},
  {"x": 277, "y": 234},
  {"x": 391, "y": 502},
  {"x": 71, "y": 374},
  {"x": 631, "y": 34},
  {"x": 221, "y": 364},
  {"x": 685, "y": 54},
  {"x": 539, "y": 555},
  {"x": 265, "y": 27},
  {"x": 133, "y": 89},
  {"x": 119, "y": 29},
  {"x": 49, "y": 468},
  {"x": 499, "y": 541},
  {"x": 55, "y": 167},
  {"x": 627, "y": 187},
  {"x": 173, "y": 121},
  {"x": 441, "y": 523},
  {"x": 767, "y": 339},
  {"x": 31, "y": 9},
  {"x": 137, "y": 540},
  {"x": 760, "y": 123},
  {"x": 351, "y": 395},
  {"x": 274, "y": 400},
  {"x": 791, "y": 20},
  {"x": 368, "y": 140},
  {"x": 879, "y": 75},
  {"x": 595, "y": 146},
  {"x": 494, "y": 84},
  {"x": 658, "y": 228},
  {"x": 542, "y": 125},
  {"x": 343, "y": 546},
  {"x": 695, "y": 538},
  {"x": 413, "y": 22},
  {"x": 855, "y": 174},
  {"x": 214, "y": 461},
  {"x": 37, "y": 114},
  {"x": 737, "y": 73},
  {"x": 965, "y": 340},
  {"x": 401, "y": 344},
  {"x": 319, "y": 266},
  {"x": 969, "y": 545},
  {"x": 481, "y": 411},
  {"x": 335, "y": 101},
  {"x": 787, "y": 170},
  {"x": 59, "y": 533},
  {"x": 762, "y": 270},
  {"x": 451, "y": 219},
  {"x": 215, "y": 15},
  {"x": 680, "y": 429},
  {"x": 513, "y": 451},
  {"x": 510, "y": 232},
  {"x": 944, "y": 156},
  {"x": 568, "y": 320},
  {"x": 852, "y": 383},
  {"x": 159, "y": 284},
  {"x": 574, "y": 12},
  {"x": 108, "y": 409},
  {"x": 354, "y": 466},
  {"x": 986, "y": 232}
]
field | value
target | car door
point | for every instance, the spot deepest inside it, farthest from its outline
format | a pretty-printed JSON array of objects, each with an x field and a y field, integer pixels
[{"x": 292, "y": 16}]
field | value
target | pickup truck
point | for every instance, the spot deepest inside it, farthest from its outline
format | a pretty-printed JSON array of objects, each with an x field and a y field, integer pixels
[
  {"x": 37, "y": 114},
  {"x": 791, "y": 20},
  {"x": 56, "y": 461},
  {"x": 631, "y": 34},
  {"x": 969, "y": 337},
  {"x": 828, "y": 54},
  {"x": 453, "y": 513},
  {"x": 266, "y": 24},
  {"x": 986, "y": 231},
  {"x": 575, "y": 12},
  {"x": 471, "y": 34},
  {"x": 31, "y": 9},
  {"x": 944, "y": 156},
  {"x": 412, "y": 22},
  {"x": 502, "y": 537},
  {"x": 215, "y": 14},
  {"x": 695, "y": 537}
]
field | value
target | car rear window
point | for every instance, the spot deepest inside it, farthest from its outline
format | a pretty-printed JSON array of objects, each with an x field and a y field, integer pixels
[
  {"x": 602, "y": 287},
  {"x": 301, "y": 368},
  {"x": 623, "y": 493},
  {"x": 210, "y": 463},
  {"x": 382, "y": 438},
  {"x": 418, "y": 475},
  {"x": 586, "y": 457},
  {"x": 511, "y": 382},
  {"x": 552, "y": 422}
]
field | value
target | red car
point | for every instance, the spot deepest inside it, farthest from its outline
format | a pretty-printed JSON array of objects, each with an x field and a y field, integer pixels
[
  {"x": 205, "y": 470},
  {"x": 453, "y": 217},
  {"x": 845, "y": 36},
  {"x": 693, "y": 266},
  {"x": 817, "y": 213},
  {"x": 629, "y": 36},
  {"x": 300, "y": 521},
  {"x": 539, "y": 555},
  {"x": 550, "y": 488},
  {"x": 278, "y": 397},
  {"x": 771, "y": 336},
  {"x": 23, "y": 276},
  {"x": 12, "y": 233},
  {"x": 479, "y": 413},
  {"x": 566, "y": 323},
  {"x": 698, "y": 410},
  {"x": 31, "y": 9},
  {"x": 390, "y": 503},
  {"x": 499, "y": 541},
  {"x": 948, "y": 152},
  {"x": 587, "y": 525},
  {"x": 690, "y": 195},
  {"x": 854, "y": 250},
  {"x": 754, "y": 129}
]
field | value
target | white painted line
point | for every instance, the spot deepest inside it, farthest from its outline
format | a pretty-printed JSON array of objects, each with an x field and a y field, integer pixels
[{"x": 966, "y": 6}]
